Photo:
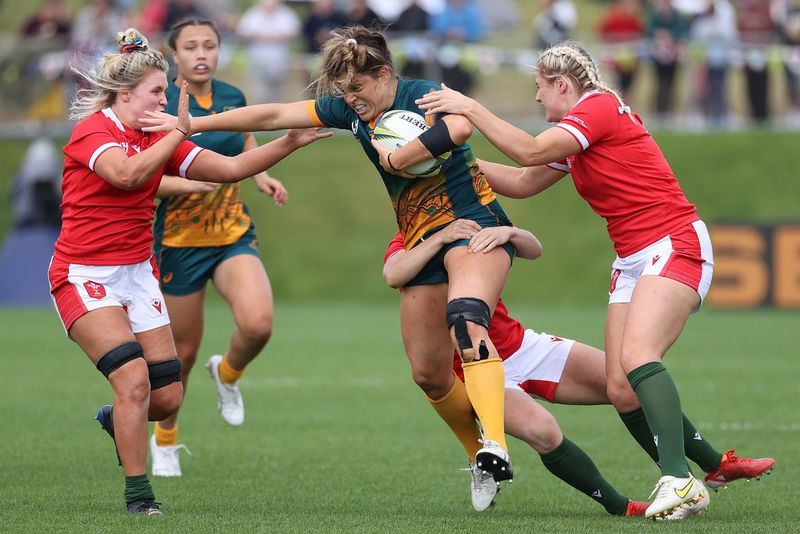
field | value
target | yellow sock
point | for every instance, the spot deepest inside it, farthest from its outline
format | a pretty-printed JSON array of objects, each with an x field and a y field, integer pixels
[
  {"x": 228, "y": 374},
  {"x": 166, "y": 436},
  {"x": 484, "y": 381},
  {"x": 456, "y": 410}
]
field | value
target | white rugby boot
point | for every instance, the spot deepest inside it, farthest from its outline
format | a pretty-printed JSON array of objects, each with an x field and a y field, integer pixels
[
  {"x": 166, "y": 462},
  {"x": 677, "y": 498},
  {"x": 229, "y": 398},
  {"x": 493, "y": 459},
  {"x": 483, "y": 488}
]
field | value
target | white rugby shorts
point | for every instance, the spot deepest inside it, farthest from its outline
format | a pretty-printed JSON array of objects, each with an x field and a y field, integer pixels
[
  {"x": 536, "y": 367},
  {"x": 684, "y": 255},
  {"x": 78, "y": 289}
]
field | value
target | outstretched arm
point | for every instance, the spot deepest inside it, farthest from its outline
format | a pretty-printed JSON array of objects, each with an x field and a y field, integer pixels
[
  {"x": 554, "y": 144},
  {"x": 519, "y": 182},
  {"x": 212, "y": 167},
  {"x": 257, "y": 117}
]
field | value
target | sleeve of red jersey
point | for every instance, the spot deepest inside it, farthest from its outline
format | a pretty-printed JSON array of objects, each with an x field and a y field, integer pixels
[
  {"x": 183, "y": 157},
  {"x": 592, "y": 119},
  {"x": 89, "y": 140},
  {"x": 395, "y": 246}
]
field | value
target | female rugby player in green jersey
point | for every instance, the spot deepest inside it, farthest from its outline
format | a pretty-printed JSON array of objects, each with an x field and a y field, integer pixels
[
  {"x": 457, "y": 291},
  {"x": 204, "y": 232}
]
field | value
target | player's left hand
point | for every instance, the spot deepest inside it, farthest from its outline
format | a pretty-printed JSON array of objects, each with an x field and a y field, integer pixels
[
  {"x": 272, "y": 187},
  {"x": 383, "y": 156},
  {"x": 305, "y": 136},
  {"x": 487, "y": 239}
]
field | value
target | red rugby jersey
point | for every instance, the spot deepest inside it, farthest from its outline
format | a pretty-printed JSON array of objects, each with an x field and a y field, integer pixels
[
  {"x": 103, "y": 224},
  {"x": 623, "y": 175}
]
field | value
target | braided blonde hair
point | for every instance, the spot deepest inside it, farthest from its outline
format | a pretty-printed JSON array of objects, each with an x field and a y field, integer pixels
[
  {"x": 348, "y": 53},
  {"x": 571, "y": 59},
  {"x": 115, "y": 72}
]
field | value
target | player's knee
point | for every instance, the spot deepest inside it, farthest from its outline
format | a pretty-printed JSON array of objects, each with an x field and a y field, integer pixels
[
  {"x": 256, "y": 328},
  {"x": 460, "y": 313},
  {"x": 433, "y": 384},
  {"x": 165, "y": 401},
  {"x": 621, "y": 396},
  {"x": 119, "y": 357}
]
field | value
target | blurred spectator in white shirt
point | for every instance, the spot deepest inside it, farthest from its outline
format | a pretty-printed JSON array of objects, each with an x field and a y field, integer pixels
[
  {"x": 555, "y": 22},
  {"x": 267, "y": 29}
]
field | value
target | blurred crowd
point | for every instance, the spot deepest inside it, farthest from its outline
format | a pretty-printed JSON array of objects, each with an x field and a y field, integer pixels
[{"x": 705, "y": 40}]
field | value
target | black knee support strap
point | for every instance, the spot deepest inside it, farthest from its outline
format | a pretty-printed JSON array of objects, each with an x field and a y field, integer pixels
[
  {"x": 464, "y": 309},
  {"x": 116, "y": 358},
  {"x": 164, "y": 373},
  {"x": 470, "y": 309}
]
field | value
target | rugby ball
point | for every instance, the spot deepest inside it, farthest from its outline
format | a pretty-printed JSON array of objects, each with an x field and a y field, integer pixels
[{"x": 397, "y": 127}]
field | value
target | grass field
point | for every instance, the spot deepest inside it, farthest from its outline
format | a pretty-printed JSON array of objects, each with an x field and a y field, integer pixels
[{"x": 338, "y": 439}]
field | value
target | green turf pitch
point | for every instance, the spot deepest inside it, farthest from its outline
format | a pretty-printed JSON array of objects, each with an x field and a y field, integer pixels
[{"x": 338, "y": 439}]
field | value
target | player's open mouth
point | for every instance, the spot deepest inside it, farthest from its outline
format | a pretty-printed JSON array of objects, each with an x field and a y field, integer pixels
[
  {"x": 201, "y": 68},
  {"x": 360, "y": 107}
]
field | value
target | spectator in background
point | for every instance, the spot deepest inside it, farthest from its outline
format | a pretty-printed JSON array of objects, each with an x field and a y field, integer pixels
[
  {"x": 666, "y": 29},
  {"x": 555, "y": 23},
  {"x": 178, "y": 10},
  {"x": 788, "y": 21},
  {"x": 36, "y": 192},
  {"x": 413, "y": 22},
  {"x": 715, "y": 31},
  {"x": 756, "y": 31},
  {"x": 267, "y": 29},
  {"x": 413, "y": 19},
  {"x": 152, "y": 16},
  {"x": 460, "y": 22},
  {"x": 622, "y": 27},
  {"x": 94, "y": 29},
  {"x": 322, "y": 20},
  {"x": 360, "y": 14},
  {"x": 49, "y": 21}
]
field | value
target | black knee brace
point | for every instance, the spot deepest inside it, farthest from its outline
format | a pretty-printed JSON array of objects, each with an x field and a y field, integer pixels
[
  {"x": 116, "y": 358},
  {"x": 164, "y": 373},
  {"x": 464, "y": 309}
]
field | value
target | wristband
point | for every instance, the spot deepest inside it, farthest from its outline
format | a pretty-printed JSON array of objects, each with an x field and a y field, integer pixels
[{"x": 389, "y": 161}]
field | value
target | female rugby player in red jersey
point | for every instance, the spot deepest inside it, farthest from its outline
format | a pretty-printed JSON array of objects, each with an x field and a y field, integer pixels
[
  {"x": 664, "y": 257},
  {"x": 102, "y": 276}
]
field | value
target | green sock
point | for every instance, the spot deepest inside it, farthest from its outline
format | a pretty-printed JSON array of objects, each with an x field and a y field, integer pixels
[
  {"x": 636, "y": 423},
  {"x": 662, "y": 407},
  {"x": 698, "y": 449},
  {"x": 569, "y": 463},
  {"x": 137, "y": 488}
]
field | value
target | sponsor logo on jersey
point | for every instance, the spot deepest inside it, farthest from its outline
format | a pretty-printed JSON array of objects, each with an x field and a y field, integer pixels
[
  {"x": 614, "y": 276},
  {"x": 95, "y": 290},
  {"x": 354, "y": 126},
  {"x": 157, "y": 305},
  {"x": 575, "y": 119}
]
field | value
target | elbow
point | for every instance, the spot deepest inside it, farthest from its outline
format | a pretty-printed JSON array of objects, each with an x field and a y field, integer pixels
[
  {"x": 127, "y": 182},
  {"x": 460, "y": 128},
  {"x": 392, "y": 281}
]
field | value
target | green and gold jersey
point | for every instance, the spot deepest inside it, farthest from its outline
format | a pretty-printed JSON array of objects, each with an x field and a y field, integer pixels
[
  {"x": 421, "y": 205},
  {"x": 216, "y": 218}
]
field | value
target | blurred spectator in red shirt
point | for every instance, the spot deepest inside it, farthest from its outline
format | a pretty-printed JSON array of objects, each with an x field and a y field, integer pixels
[{"x": 623, "y": 28}]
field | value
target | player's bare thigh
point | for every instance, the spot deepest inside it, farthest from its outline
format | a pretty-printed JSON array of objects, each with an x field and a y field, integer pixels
[
  {"x": 583, "y": 380},
  {"x": 527, "y": 420},
  {"x": 243, "y": 283},
  {"x": 657, "y": 313},
  {"x": 186, "y": 322}
]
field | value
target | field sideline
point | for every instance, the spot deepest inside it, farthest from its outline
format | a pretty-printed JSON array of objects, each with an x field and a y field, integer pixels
[{"x": 338, "y": 439}]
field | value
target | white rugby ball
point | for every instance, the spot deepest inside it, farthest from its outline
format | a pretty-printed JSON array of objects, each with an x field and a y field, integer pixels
[{"x": 397, "y": 127}]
